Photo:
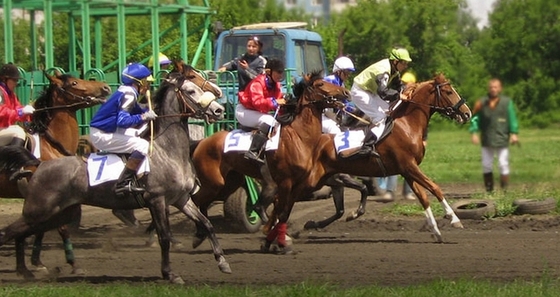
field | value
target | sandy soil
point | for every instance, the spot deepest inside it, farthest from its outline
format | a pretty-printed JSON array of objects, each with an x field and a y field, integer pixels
[{"x": 378, "y": 248}]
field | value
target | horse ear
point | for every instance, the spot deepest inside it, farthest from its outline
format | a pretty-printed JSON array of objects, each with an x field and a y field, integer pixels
[
  {"x": 51, "y": 78},
  {"x": 440, "y": 78}
]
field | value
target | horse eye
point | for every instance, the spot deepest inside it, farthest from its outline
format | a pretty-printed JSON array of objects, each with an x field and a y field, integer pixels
[{"x": 74, "y": 83}]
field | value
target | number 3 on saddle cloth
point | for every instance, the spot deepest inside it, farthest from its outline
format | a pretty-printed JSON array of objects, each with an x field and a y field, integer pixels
[
  {"x": 104, "y": 167},
  {"x": 239, "y": 140},
  {"x": 353, "y": 139}
]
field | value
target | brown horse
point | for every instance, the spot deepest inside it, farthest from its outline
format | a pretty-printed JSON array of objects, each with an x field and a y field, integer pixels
[
  {"x": 56, "y": 124},
  {"x": 299, "y": 167},
  {"x": 220, "y": 174}
]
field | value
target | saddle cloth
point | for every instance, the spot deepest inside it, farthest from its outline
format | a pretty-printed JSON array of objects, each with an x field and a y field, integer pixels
[
  {"x": 239, "y": 141},
  {"x": 108, "y": 167},
  {"x": 351, "y": 139}
]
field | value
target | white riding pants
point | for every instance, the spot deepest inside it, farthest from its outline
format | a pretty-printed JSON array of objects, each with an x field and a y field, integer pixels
[
  {"x": 252, "y": 118},
  {"x": 488, "y": 154},
  {"x": 9, "y": 133},
  {"x": 329, "y": 125},
  {"x": 118, "y": 142},
  {"x": 372, "y": 105}
]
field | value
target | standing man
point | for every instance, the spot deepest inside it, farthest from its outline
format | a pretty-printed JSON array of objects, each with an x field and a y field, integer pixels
[{"x": 494, "y": 117}]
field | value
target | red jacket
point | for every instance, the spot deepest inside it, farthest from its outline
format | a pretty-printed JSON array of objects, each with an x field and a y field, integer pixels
[
  {"x": 9, "y": 105},
  {"x": 260, "y": 97}
]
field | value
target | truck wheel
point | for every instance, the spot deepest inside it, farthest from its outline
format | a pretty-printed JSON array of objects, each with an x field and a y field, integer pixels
[
  {"x": 238, "y": 211},
  {"x": 474, "y": 209},
  {"x": 531, "y": 206}
]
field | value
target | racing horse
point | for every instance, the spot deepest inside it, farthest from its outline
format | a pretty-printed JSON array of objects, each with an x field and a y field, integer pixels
[
  {"x": 401, "y": 153},
  {"x": 60, "y": 186},
  {"x": 221, "y": 174},
  {"x": 55, "y": 122}
]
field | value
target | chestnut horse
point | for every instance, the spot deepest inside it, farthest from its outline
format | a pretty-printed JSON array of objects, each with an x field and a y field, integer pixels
[
  {"x": 220, "y": 173},
  {"x": 56, "y": 124},
  {"x": 300, "y": 167}
]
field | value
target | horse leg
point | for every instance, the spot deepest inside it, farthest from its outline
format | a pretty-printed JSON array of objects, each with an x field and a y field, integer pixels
[
  {"x": 18, "y": 230},
  {"x": 159, "y": 217},
  {"x": 352, "y": 183},
  {"x": 338, "y": 199},
  {"x": 36, "y": 251},
  {"x": 201, "y": 232},
  {"x": 192, "y": 211},
  {"x": 430, "y": 219},
  {"x": 127, "y": 217}
]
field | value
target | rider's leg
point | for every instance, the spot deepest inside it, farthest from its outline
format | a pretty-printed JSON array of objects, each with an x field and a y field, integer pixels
[
  {"x": 12, "y": 135},
  {"x": 125, "y": 184},
  {"x": 17, "y": 142},
  {"x": 259, "y": 139}
]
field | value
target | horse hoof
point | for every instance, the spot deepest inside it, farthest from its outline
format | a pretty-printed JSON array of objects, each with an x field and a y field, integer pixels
[
  {"x": 285, "y": 250},
  {"x": 457, "y": 225},
  {"x": 352, "y": 216},
  {"x": 196, "y": 242},
  {"x": 224, "y": 267},
  {"x": 176, "y": 280},
  {"x": 265, "y": 247},
  {"x": 438, "y": 238},
  {"x": 41, "y": 268},
  {"x": 27, "y": 275},
  {"x": 151, "y": 243},
  {"x": 78, "y": 271},
  {"x": 177, "y": 245},
  {"x": 310, "y": 225}
]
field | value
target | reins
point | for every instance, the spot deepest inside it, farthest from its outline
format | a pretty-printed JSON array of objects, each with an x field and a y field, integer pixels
[{"x": 86, "y": 100}]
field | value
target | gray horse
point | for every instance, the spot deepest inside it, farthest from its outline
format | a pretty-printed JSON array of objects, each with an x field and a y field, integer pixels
[{"x": 58, "y": 187}]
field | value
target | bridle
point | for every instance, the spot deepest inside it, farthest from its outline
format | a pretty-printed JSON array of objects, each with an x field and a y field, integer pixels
[
  {"x": 448, "y": 111},
  {"x": 312, "y": 90},
  {"x": 85, "y": 99}
]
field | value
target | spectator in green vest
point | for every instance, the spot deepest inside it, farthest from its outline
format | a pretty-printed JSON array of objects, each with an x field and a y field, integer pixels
[{"x": 494, "y": 117}]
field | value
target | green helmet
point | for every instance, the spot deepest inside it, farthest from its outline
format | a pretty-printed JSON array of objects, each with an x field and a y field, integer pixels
[{"x": 401, "y": 54}]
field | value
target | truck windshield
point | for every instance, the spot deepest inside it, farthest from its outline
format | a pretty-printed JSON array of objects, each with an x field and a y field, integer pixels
[
  {"x": 308, "y": 57},
  {"x": 234, "y": 46}
]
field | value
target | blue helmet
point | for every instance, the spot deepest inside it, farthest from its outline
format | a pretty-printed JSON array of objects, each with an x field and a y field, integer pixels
[{"x": 135, "y": 72}]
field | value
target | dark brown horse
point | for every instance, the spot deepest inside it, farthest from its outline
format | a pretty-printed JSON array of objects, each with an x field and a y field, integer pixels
[
  {"x": 299, "y": 167},
  {"x": 220, "y": 174},
  {"x": 57, "y": 126}
]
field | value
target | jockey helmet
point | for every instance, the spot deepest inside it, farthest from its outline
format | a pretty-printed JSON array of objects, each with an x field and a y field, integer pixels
[
  {"x": 408, "y": 78},
  {"x": 10, "y": 71},
  {"x": 163, "y": 60},
  {"x": 400, "y": 53},
  {"x": 275, "y": 65},
  {"x": 135, "y": 72},
  {"x": 343, "y": 63}
]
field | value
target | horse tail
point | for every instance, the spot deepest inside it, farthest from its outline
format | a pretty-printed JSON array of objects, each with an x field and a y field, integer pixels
[
  {"x": 13, "y": 158},
  {"x": 193, "y": 145}
]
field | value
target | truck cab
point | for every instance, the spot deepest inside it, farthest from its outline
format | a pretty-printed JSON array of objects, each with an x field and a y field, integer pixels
[{"x": 300, "y": 49}]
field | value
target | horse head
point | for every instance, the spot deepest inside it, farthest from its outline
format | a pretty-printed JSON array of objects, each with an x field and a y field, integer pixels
[
  {"x": 197, "y": 95},
  {"x": 440, "y": 96},
  {"x": 70, "y": 91},
  {"x": 314, "y": 90}
]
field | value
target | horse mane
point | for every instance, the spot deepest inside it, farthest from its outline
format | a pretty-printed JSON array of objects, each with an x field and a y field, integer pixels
[
  {"x": 289, "y": 111},
  {"x": 40, "y": 120}
]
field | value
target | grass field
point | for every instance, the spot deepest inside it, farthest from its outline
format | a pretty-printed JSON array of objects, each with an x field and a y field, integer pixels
[
  {"x": 451, "y": 158},
  {"x": 543, "y": 287}
]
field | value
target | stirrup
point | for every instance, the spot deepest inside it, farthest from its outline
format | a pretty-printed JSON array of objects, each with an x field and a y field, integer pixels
[
  {"x": 254, "y": 157},
  {"x": 128, "y": 188}
]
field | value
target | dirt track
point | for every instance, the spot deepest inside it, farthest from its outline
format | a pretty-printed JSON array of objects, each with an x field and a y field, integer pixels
[{"x": 377, "y": 248}]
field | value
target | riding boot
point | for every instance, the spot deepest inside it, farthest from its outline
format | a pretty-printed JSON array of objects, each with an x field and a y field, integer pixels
[
  {"x": 368, "y": 148},
  {"x": 125, "y": 183},
  {"x": 504, "y": 181},
  {"x": 259, "y": 139},
  {"x": 17, "y": 142},
  {"x": 489, "y": 182}
]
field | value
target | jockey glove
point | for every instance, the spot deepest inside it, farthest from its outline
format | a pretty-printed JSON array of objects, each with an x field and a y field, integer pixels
[
  {"x": 28, "y": 109},
  {"x": 149, "y": 115}
]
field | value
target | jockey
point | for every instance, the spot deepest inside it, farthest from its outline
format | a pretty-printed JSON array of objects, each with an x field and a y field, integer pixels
[
  {"x": 163, "y": 61},
  {"x": 11, "y": 110},
  {"x": 261, "y": 96},
  {"x": 342, "y": 68},
  {"x": 371, "y": 90},
  {"x": 113, "y": 126}
]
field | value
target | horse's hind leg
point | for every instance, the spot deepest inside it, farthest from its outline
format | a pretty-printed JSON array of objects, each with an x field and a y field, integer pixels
[
  {"x": 18, "y": 230},
  {"x": 21, "y": 268},
  {"x": 36, "y": 251},
  {"x": 338, "y": 199},
  {"x": 192, "y": 211},
  {"x": 352, "y": 183}
]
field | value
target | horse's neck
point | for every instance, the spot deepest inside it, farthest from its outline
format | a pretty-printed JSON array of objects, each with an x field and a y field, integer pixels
[
  {"x": 63, "y": 128},
  {"x": 418, "y": 116},
  {"x": 307, "y": 124},
  {"x": 172, "y": 138}
]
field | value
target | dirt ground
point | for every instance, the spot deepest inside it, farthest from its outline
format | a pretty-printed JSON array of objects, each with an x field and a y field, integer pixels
[{"x": 375, "y": 249}]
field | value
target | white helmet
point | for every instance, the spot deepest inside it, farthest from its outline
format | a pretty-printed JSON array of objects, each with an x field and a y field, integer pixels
[{"x": 343, "y": 63}]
